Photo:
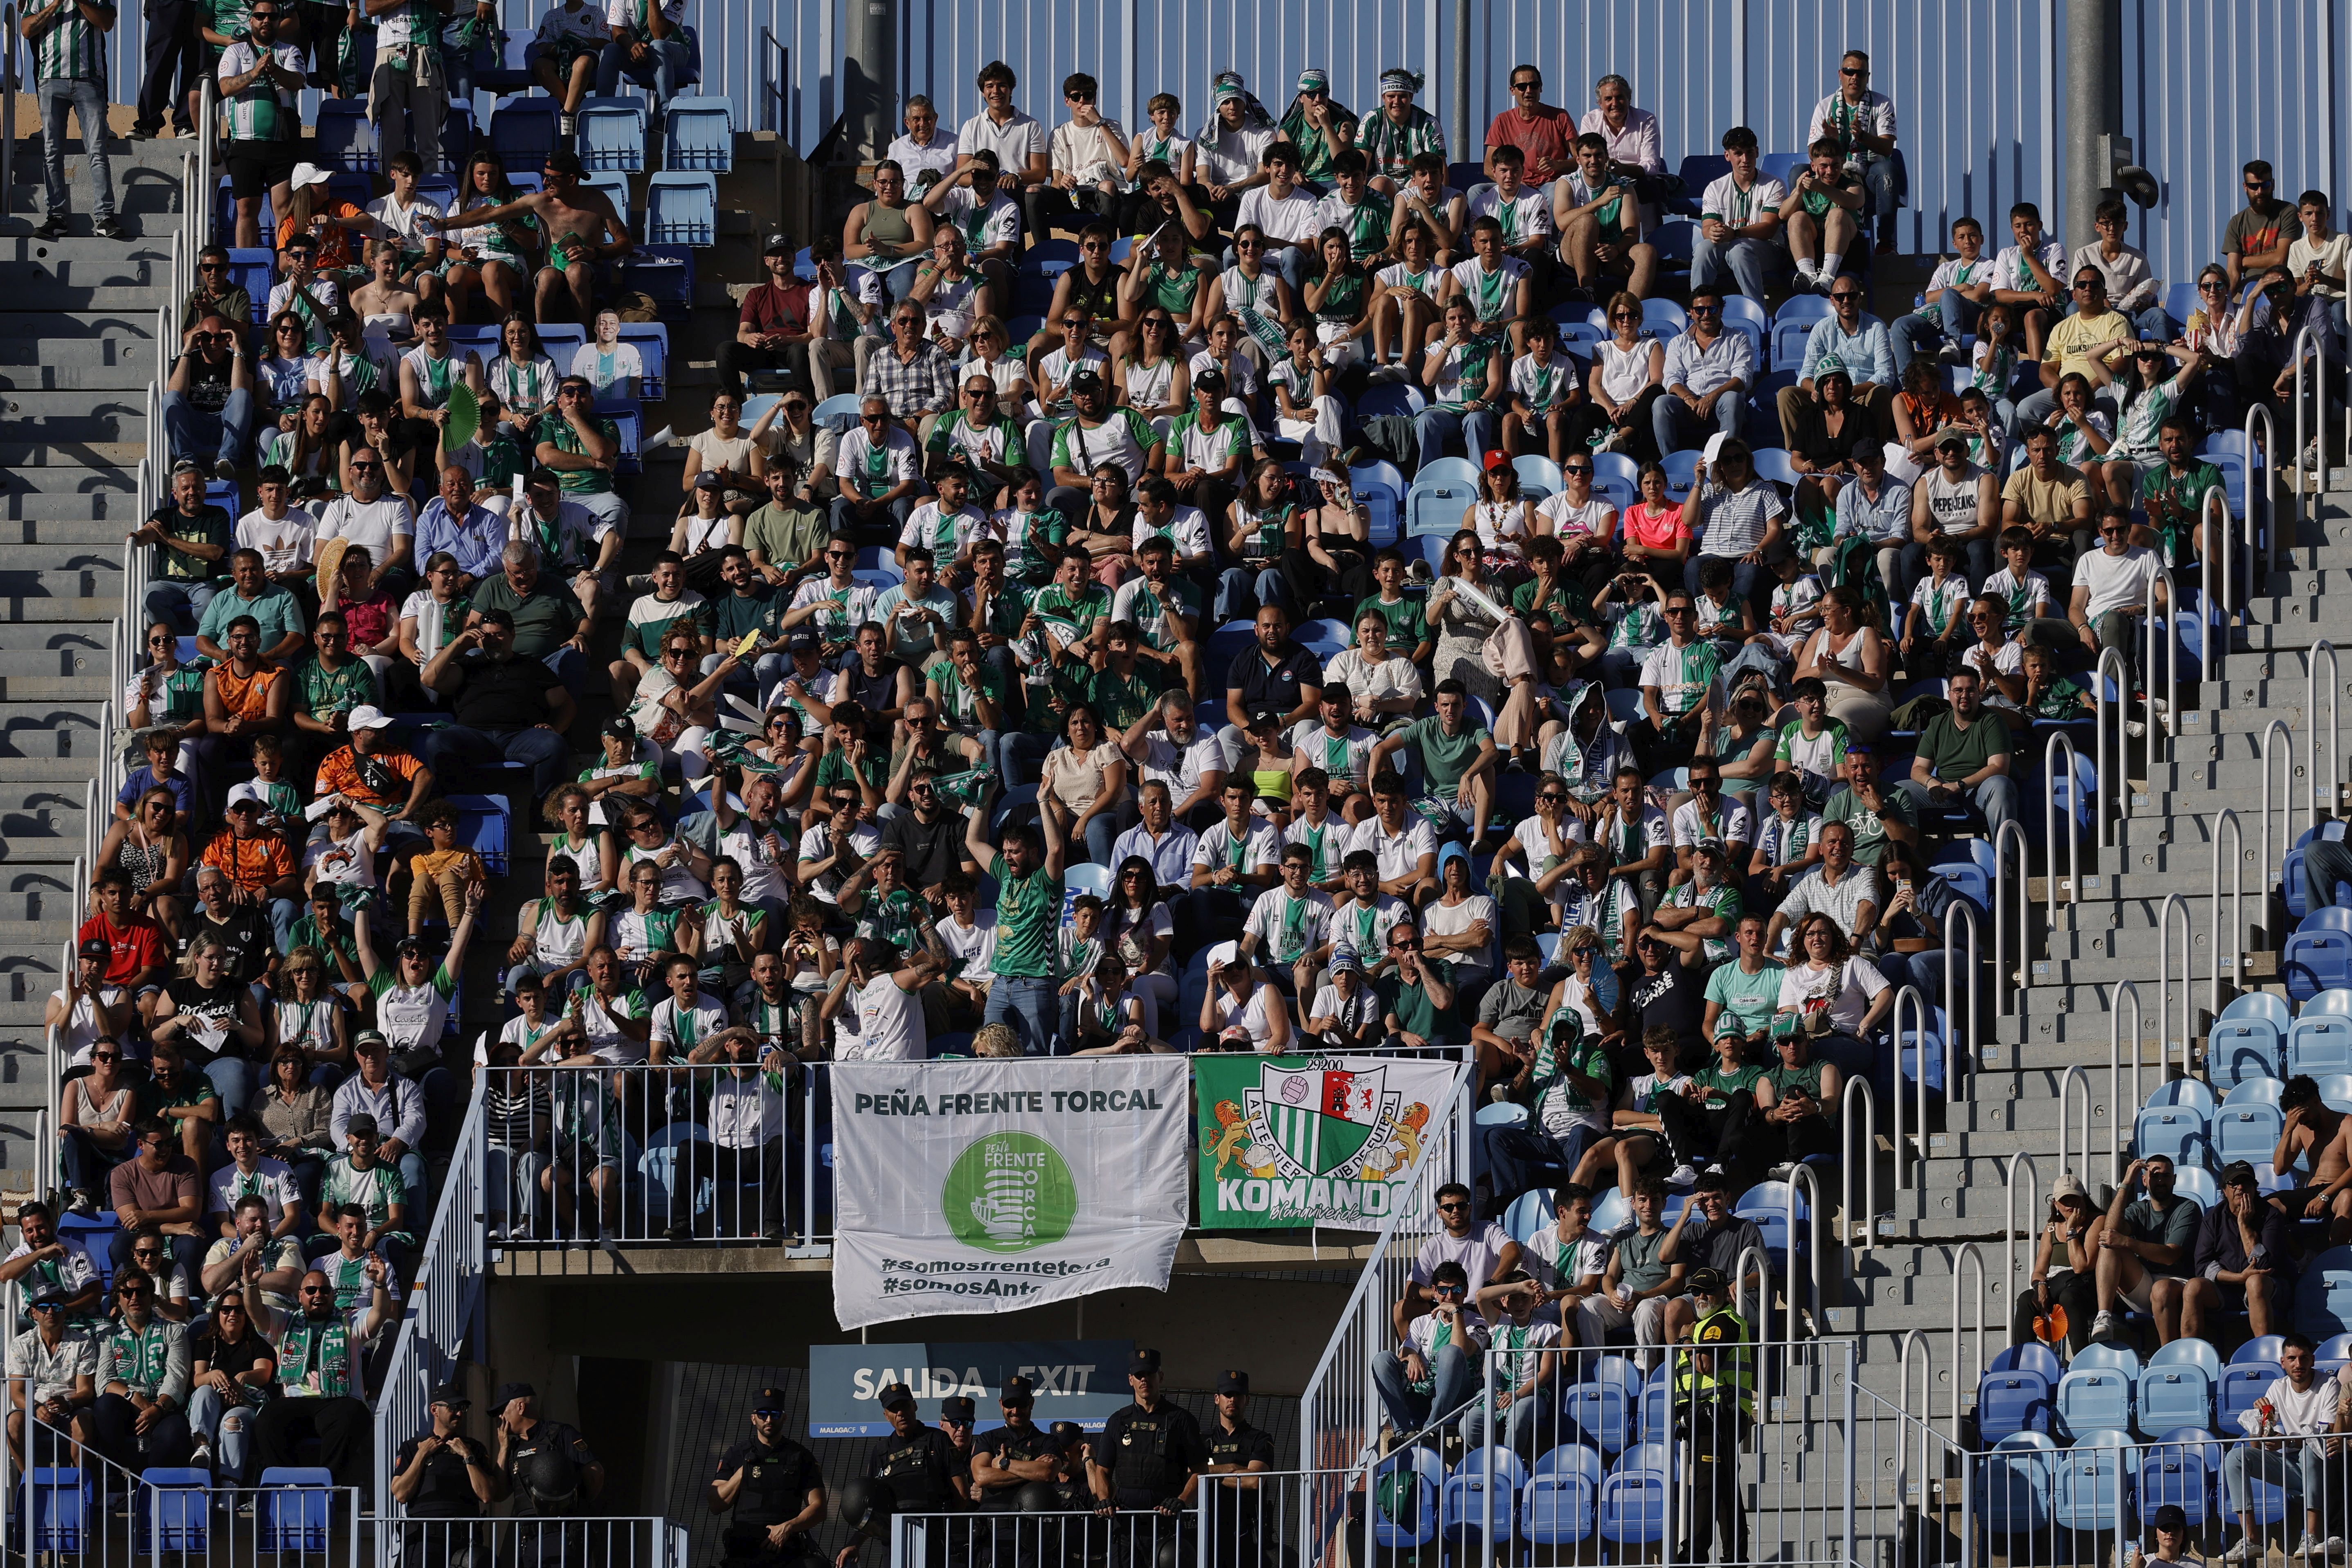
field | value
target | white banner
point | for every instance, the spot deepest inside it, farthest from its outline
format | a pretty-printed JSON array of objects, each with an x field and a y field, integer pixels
[{"x": 987, "y": 1186}]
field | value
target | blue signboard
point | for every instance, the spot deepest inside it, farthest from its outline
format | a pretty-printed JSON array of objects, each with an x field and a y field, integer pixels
[{"x": 1076, "y": 1380}]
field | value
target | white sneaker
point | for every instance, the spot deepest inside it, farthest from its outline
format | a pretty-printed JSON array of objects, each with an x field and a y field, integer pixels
[
  {"x": 2103, "y": 1326},
  {"x": 2135, "y": 729},
  {"x": 567, "y": 125},
  {"x": 2310, "y": 1547},
  {"x": 1383, "y": 374},
  {"x": 2238, "y": 1553},
  {"x": 1684, "y": 1176},
  {"x": 2335, "y": 1546}
]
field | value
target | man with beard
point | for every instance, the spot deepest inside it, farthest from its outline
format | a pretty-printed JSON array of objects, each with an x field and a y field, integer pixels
[{"x": 319, "y": 1376}]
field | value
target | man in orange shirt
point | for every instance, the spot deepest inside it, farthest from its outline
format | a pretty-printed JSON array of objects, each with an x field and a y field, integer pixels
[
  {"x": 1545, "y": 133},
  {"x": 258, "y": 862},
  {"x": 244, "y": 696},
  {"x": 375, "y": 770}
]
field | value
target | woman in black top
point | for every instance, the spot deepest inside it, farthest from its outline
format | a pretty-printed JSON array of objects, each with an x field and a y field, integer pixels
[
  {"x": 1822, "y": 446},
  {"x": 214, "y": 1016}
]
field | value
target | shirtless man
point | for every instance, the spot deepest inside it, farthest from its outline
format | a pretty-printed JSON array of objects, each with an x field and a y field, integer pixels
[
  {"x": 581, "y": 229},
  {"x": 2321, "y": 1139}
]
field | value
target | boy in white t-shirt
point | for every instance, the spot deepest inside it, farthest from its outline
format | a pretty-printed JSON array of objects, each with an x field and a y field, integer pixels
[{"x": 1814, "y": 748}]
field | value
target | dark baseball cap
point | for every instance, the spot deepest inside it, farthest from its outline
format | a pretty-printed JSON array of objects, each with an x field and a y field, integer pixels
[
  {"x": 509, "y": 1392},
  {"x": 894, "y": 1394},
  {"x": 779, "y": 245},
  {"x": 802, "y": 640},
  {"x": 95, "y": 948},
  {"x": 771, "y": 1402},
  {"x": 1018, "y": 1390},
  {"x": 709, "y": 479},
  {"x": 1952, "y": 438},
  {"x": 1143, "y": 1364},
  {"x": 1232, "y": 1382},
  {"x": 1086, "y": 379},
  {"x": 360, "y": 1121},
  {"x": 959, "y": 1407},
  {"x": 1707, "y": 1282},
  {"x": 452, "y": 1394},
  {"x": 2172, "y": 1516}
]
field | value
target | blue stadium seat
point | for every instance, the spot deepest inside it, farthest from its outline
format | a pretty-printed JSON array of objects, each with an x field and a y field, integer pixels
[
  {"x": 2031, "y": 1356},
  {"x": 2196, "y": 1182},
  {"x": 1558, "y": 1507},
  {"x": 2014, "y": 1483},
  {"x": 254, "y": 269},
  {"x": 1481, "y": 1496},
  {"x": 682, "y": 209},
  {"x": 2090, "y": 1397},
  {"x": 1635, "y": 1495},
  {"x": 483, "y": 824},
  {"x": 2239, "y": 1051},
  {"x": 2188, "y": 1353},
  {"x": 1601, "y": 1414},
  {"x": 664, "y": 272},
  {"x": 1529, "y": 1216},
  {"x": 613, "y": 134},
  {"x": 629, "y": 426},
  {"x": 2319, "y": 1043},
  {"x": 2318, "y": 954},
  {"x": 1434, "y": 506},
  {"x": 2292, "y": 880},
  {"x": 1765, "y": 1204},
  {"x": 522, "y": 133},
  {"x": 652, "y": 341},
  {"x": 2174, "y": 1395},
  {"x": 344, "y": 137},
  {"x": 1538, "y": 476},
  {"x": 2178, "y": 1471},
  {"x": 699, "y": 133},
  {"x": 2265, "y": 1005},
  {"x": 1405, "y": 1487},
  {"x": 1792, "y": 325},
  {"x": 2323, "y": 1294},
  {"x": 2011, "y": 1402},
  {"x": 296, "y": 1510},
  {"x": 511, "y": 74},
  {"x": 2240, "y": 1387},
  {"x": 173, "y": 1509},
  {"x": 2333, "y": 1353},
  {"x": 57, "y": 1507},
  {"x": 2178, "y": 1132},
  {"x": 1681, "y": 467},
  {"x": 1397, "y": 397},
  {"x": 2086, "y": 1491},
  {"x": 2336, "y": 1003},
  {"x": 441, "y": 190},
  {"x": 1697, "y": 171},
  {"x": 457, "y": 136}
]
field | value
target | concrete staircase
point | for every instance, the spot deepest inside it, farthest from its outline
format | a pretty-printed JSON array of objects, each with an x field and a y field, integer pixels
[{"x": 76, "y": 354}]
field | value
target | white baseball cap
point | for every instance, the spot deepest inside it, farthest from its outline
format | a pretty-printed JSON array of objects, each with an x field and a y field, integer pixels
[
  {"x": 252, "y": 790},
  {"x": 306, "y": 174},
  {"x": 367, "y": 716}
]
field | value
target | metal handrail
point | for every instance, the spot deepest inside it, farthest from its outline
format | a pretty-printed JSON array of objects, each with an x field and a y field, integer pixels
[
  {"x": 2164, "y": 980},
  {"x": 2322, "y": 779},
  {"x": 2286, "y": 806},
  {"x": 2309, "y": 344},
  {"x": 1763, "y": 1274},
  {"x": 1866, "y": 1157},
  {"x": 1918, "y": 1005},
  {"x": 2124, "y": 990},
  {"x": 1926, "y": 1417},
  {"x": 2111, "y": 777},
  {"x": 2171, "y": 716},
  {"x": 2000, "y": 910},
  {"x": 1802, "y": 1176},
  {"x": 2009, "y": 1227},
  {"x": 2059, "y": 741},
  {"x": 2074, "y": 1075},
  {"x": 2237, "y": 926},
  {"x": 9, "y": 84},
  {"x": 2274, "y": 548},
  {"x": 1967, "y": 914},
  {"x": 2218, "y": 633},
  {"x": 1965, "y": 1254}
]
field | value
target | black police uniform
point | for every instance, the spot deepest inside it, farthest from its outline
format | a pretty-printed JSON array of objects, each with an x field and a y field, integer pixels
[
  {"x": 1017, "y": 1445},
  {"x": 920, "y": 1467},
  {"x": 445, "y": 1491},
  {"x": 1151, "y": 1453},
  {"x": 1235, "y": 1525},
  {"x": 548, "y": 1544},
  {"x": 776, "y": 1484}
]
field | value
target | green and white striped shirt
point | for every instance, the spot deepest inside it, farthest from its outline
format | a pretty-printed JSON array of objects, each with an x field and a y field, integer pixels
[
  {"x": 71, "y": 49},
  {"x": 263, "y": 111}
]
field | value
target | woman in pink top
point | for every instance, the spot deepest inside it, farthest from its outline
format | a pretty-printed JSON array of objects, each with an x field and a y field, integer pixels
[{"x": 1651, "y": 533}]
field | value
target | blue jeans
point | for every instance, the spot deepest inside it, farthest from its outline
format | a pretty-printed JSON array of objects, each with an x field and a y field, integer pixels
[
  {"x": 450, "y": 752},
  {"x": 232, "y": 1080},
  {"x": 1242, "y": 592},
  {"x": 1019, "y": 754},
  {"x": 1434, "y": 427},
  {"x": 667, "y": 57},
  {"x": 189, "y": 427},
  {"x": 228, "y": 1429},
  {"x": 1951, "y": 317},
  {"x": 1029, "y": 1006},
  {"x": 1454, "y": 1383},
  {"x": 570, "y": 667},
  {"x": 1878, "y": 181},
  {"x": 767, "y": 672},
  {"x": 1745, "y": 576},
  {"x": 844, "y": 516},
  {"x": 1996, "y": 797},
  {"x": 181, "y": 604},
  {"x": 1749, "y": 263},
  {"x": 87, "y": 101},
  {"x": 2298, "y": 1475},
  {"x": 1676, "y": 427}
]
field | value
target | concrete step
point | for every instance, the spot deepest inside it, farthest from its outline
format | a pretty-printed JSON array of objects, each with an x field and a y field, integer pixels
[
  {"x": 78, "y": 415},
  {"x": 36, "y": 652},
  {"x": 133, "y": 350},
  {"x": 27, "y": 609},
  {"x": 31, "y": 292},
  {"x": 98, "y": 519},
  {"x": 126, "y": 373},
  {"x": 161, "y": 155},
  {"x": 86, "y": 263},
  {"x": 28, "y": 323},
  {"x": 118, "y": 457}
]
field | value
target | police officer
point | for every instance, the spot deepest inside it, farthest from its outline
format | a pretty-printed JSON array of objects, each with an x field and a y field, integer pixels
[
  {"x": 775, "y": 1489},
  {"x": 1150, "y": 1457},
  {"x": 550, "y": 1473},
  {"x": 916, "y": 1464},
  {"x": 1237, "y": 1450},
  {"x": 958, "y": 1415},
  {"x": 1008, "y": 1462},
  {"x": 443, "y": 1475},
  {"x": 1715, "y": 1405}
]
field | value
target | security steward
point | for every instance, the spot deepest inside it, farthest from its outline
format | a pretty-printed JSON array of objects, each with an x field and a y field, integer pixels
[
  {"x": 1009, "y": 1460},
  {"x": 917, "y": 1466},
  {"x": 958, "y": 1415},
  {"x": 775, "y": 1489},
  {"x": 550, "y": 1473},
  {"x": 443, "y": 1475},
  {"x": 1237, "y": 1451},
  {"x": 1715, "y": 1407},
  {"x": 1155, "y": 1453}
]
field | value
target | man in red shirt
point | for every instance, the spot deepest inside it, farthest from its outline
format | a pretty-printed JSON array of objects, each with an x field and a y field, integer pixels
[
  {"x": 774, "y": 330},
  {"x": 136, "y": 941},
  {"x": 1545, "y": 134}
]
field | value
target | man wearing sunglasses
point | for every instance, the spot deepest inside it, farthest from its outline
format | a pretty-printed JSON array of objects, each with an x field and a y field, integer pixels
[
  {"x": 2259, "y": 234},
  {"x": 52, "y": 1383},
  {"x": 209, "y": 397},
  {"x": 584, "y": 448},
  {"x": 140, "y": 1417},
  {"x": 318, "y": 1355},
  {"x": 2073, "y": 341},
  {"x": 259, "y": 76},
  {"x": 775, "y": 1489},
  {"x": 1862, "y": 122},
  {"x": 2111, "y": 587}
]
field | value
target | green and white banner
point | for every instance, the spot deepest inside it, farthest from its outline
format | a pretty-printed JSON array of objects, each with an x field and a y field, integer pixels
[
  {"x": 988, "y": 1186},
  {"x": 1311, "y": 1141}
]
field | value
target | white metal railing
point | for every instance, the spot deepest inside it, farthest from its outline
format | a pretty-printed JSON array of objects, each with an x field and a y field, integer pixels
[
  {"x": 441, "y": 1315},
  {"x": 2230, "y": 952},
  {"x": 1960, "y": 912},
  {"x": 1865, "y": 1155},
  {"x": 2125, "y": 991},
  {"x": 2219, "y": 617},
  {"x": 2075, "y": 1075},
  {"x": 2270, "y": 854},
  {"x": 2009, "y": 1236},
  {"x": 2274, "y": 541},
  {"x": 2164, "y": 1035},
  {"x": 2324, "y": 778},
  {"x": 2012, "y": 993},
  {"x": 1802, "y": 1177},
  {"x": 2111, "y": 773},
  {"x": 1909, "y": 996},
  {"x": 2165, "y": 725},
  {"x": 9, "y": 84},
  {"x": 1339, "y": 1409},
  {"x": 1969, "y": 1253},
  {"x": 2060, "y": 742},
  {"x": 2311, "y": 346}
]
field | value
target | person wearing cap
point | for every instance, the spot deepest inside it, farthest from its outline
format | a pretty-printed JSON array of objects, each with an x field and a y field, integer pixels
[
  {"x": 373, "y": 769},
  {"x": 1701, "y": 915},
  {"x": 2244, "y": 1261},
  {"x": 1234, "y": 1452},
  {"x": 774, "y": 1487},
  {"x": 2065, "y": 1266},
  {"x": 1012, "y": 1456},
  {"x": 774, "y": 330},
  {"x": 255, "y": 857},
  {"x": 534, "y": 1455},
  {"x": 2174, "y": 1543},
  {"x": 191, "y": 539},
  {"x": 1955, "y": 501},
  {"x": 1713, "y": 1407},
  {"x": 442, "y": 1474},
  {"x": 1152, "y": 1446},
  {"x": 87, "y": 1010},
  {"x": 260, "y": 77},
  {"x": 53, "y": 1383},
  {"x": 916, "y": 1462}
]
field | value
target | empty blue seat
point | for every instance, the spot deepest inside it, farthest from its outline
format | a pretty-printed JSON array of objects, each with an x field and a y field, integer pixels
[
  {"x": 2197, "y": 1183},
  {"x": 2011, "y": 1402},
  {"x": 2323, "y": 1293},
  {"x": 613, "y": 134},
  {"x": 522, "y": 133},
  {"x": 1481, "y": 1497},
  {"x": 296, "y": 1510},
  {"x": 2090, "y": 1397},
  {"x": 2086, "y": 1490},
  {"x": 254, "y": 269},
  {"x": 1601, "y": 1414},
  {"x": 2239, "y": 1049},
  {"x": 1562, "y": 1494},
  {"x": 2174, "y": 1395},
  {"x": 1635, "y": 1496},
  {"x": 681, "y": 209},
  {"x": 2031, "y": 1356},
  {"x": 2180, "y": 1471},
  {"x": 2014, "y": 1484},
  {"x": 344, "y": 137},
  {"x": 483, "y": 826},
  {"x": 2319, "y": 1043},
  {"x": 699, "y": 133},
  {"x": 2176, "y": 1132},
  {"x": 174, "y": 1510}
]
